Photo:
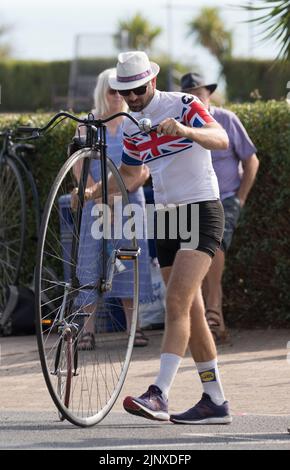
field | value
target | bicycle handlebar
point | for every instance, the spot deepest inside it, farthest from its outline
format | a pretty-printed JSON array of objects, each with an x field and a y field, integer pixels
[
  {"x": 144, "y": 124},
  {"x": 27, "y": 129}
]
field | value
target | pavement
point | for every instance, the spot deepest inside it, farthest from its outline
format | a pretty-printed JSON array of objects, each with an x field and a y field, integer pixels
[{"x": 255, "y": 374}]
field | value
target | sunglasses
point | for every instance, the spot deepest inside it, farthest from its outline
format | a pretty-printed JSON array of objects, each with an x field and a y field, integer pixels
[
  {"x": 112, "y": 92},
  {"x": 141, "y": 90}
]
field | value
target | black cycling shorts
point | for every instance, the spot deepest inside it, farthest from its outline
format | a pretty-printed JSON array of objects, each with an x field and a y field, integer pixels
[{"x": 200, "y": 228}]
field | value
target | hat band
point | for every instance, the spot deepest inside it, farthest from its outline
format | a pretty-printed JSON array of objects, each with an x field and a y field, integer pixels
[{"x": 133, "y": 78}]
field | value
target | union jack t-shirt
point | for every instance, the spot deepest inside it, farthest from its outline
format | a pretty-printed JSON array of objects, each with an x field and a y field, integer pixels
[{"x": 181, "y": 169}]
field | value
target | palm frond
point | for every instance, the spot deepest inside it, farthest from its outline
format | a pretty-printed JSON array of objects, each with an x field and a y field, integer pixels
[{"x": 275, "y": 22}]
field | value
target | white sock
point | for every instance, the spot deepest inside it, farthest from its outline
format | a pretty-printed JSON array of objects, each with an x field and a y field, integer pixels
[
  {"x": 169, "y": 364},
  {"x": 210, "y": 379}
]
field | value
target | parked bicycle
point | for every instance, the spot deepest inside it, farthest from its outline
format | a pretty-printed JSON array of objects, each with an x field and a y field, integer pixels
[
  {"x": 16, "y": 179},
  {"x": 84, "y": 385}
]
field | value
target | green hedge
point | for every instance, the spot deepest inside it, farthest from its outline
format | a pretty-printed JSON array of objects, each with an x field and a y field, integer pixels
[
  {"x": 256, "y": 283},
  {"x": 244, "y": 76},
  {"x": 28, "y": 86}
]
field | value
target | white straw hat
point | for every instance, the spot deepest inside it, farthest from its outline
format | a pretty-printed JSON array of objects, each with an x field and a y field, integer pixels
[{"x": 133, "y": 70}]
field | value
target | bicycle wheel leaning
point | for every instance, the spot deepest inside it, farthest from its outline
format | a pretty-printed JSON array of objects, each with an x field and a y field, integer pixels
[
  {"x": 84, "y": 384},
  {"x": 12, "y": 225}
]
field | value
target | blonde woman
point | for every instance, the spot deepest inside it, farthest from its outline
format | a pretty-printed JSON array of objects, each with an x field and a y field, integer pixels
[{"x": 106, "y": 103}]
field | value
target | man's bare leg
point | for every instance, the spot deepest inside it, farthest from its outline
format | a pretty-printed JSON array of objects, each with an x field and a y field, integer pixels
[
  {"x": 212, "y": 291},
  {"x": 140, "y": 339},
  {"x": 201, "y": 343},
  {"x": 128, "y": 310},
  {"x": 185, "y": 278}
]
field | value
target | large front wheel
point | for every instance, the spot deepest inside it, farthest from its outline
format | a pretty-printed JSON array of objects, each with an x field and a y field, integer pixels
[{"x": 85, "y": 380}]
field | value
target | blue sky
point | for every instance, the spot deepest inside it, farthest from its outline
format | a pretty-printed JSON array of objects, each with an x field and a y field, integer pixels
[{"x": 47, "y": 30}]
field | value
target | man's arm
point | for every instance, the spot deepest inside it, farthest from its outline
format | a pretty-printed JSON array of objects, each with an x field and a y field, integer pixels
[
  {"x": 211, "y": 136},
  {"x": 132, "y": 175},
  {"x": 143, "y": 178},
  {"x": 250, "y": 167}
]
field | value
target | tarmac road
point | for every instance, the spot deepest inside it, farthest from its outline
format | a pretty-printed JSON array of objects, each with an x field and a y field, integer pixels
[
  {"x": 255, "y": 374},
  {"x": 42, "y": 430}
]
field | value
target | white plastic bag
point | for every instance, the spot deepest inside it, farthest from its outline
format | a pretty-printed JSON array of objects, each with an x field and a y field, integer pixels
[{"x": 152, "y": 309}]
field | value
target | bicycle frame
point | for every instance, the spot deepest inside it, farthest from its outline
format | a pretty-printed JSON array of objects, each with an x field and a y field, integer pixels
[{"x": 95, "y": 140}]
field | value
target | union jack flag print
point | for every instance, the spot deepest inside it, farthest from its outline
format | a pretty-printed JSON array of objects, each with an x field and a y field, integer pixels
[{"x": 147, "y": 147}]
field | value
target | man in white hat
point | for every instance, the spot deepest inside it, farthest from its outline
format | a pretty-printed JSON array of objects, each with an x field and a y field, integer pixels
[{"x": 178, "y": 155}]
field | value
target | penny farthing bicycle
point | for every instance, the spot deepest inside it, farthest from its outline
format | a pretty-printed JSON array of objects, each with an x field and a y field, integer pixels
[{"x": 84, "y": 385}]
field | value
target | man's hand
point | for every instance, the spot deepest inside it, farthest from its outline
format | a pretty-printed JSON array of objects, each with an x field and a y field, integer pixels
[
  {"x": 250, "y": 167},
  {"x": 172, "y": 127},
  {"x": 74, "y": 199},
  {"x": 211, "y": 136},
  {"x": 242, "y": 202},
  {"x": 90, "y": 193}
]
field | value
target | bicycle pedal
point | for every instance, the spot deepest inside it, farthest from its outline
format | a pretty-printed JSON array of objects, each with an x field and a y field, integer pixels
[
  {"x": 127, "y": 254},
  {"x": 47, "y": 322}
]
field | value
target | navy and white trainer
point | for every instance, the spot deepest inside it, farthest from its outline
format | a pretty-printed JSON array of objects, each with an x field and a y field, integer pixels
[
  {"x": 204, "y": 412},
  {"x": 150, "y": 405}
]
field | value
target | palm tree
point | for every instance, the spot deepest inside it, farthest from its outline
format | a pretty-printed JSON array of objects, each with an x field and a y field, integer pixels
[
  {"x": 276, "y": 22},
  {"x": 209, "y": 29},
  {"x": 139, "y": 33}
]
